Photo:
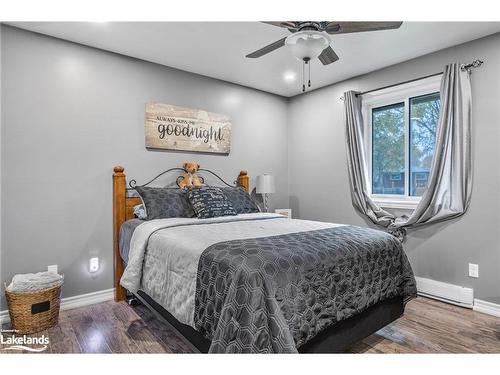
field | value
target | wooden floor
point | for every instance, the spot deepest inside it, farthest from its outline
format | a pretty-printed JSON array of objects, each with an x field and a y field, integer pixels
[{"x": 428, "y": 326}]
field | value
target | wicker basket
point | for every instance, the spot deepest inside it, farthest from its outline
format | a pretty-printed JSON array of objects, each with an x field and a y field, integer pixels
[{"x": 35, "y": 311}]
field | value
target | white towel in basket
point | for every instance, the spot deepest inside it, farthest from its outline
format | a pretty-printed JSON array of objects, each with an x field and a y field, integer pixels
[{"x": 30, "y": 282}]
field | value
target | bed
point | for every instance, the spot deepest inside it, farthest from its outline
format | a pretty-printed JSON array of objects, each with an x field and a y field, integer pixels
[{"x": 259, "y": 282}]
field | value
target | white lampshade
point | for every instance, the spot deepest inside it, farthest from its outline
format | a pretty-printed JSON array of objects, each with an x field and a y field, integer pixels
[
  {"x": 265, "y": 184},
  {"x": 307, "y": 44}
]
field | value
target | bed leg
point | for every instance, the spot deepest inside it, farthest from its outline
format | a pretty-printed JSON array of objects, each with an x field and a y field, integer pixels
[{"x": 133, "y": 300}]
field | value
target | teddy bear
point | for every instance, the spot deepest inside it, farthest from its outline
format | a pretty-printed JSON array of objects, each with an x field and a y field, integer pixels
[{"x": 190, "y": 178}]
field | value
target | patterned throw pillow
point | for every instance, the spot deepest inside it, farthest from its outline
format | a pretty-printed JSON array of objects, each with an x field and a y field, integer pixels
[
  {"x": 165, "y": 202},
  {"x": 209, "y": 201},
  {"x": 240, "y": 200}
]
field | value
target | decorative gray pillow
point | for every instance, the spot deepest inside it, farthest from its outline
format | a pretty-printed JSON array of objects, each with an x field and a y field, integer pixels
[
  {"x": 165, "y": 202},
  {"x": 209, "y": 201},
  {"x": 240, "y": 200}
]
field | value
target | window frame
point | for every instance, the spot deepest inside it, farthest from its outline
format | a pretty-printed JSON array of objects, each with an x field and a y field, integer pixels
[{"x": 393, "y": 95}]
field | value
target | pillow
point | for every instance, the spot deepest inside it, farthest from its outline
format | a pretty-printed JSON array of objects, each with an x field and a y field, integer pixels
[
  {"x": 163, "y": 203},
  {"x": 240, "y": 200},
  {"x": 209, "y": 201},
  {"x": 140, "y": 212}
]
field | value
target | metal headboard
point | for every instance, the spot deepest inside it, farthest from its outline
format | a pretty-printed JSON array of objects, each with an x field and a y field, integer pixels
[{"x": 133, "y": 183}]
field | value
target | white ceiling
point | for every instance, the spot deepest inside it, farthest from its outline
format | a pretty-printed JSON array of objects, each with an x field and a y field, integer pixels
[{"x": 218, "y": 49}]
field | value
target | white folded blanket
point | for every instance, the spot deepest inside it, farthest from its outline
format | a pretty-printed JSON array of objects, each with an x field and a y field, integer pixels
[{"x": 30, "y": 282}]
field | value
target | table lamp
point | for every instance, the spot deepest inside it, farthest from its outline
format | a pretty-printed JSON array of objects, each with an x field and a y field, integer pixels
[{"x": 265, "y": 186}]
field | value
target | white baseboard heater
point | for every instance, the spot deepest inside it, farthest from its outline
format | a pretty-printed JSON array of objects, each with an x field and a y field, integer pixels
[{"x": 450, "y": 293}]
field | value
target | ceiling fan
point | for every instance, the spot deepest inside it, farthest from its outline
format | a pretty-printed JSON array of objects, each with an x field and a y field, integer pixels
[{"x": 310, "y": 39}]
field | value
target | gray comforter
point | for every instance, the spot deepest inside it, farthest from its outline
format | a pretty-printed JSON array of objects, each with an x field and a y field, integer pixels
[
  {"x": 262, "y": 283},
  {"x": 273, "y": 294}
]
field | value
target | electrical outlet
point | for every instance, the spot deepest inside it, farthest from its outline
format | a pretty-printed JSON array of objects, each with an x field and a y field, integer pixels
[
  {"x": 473, "y": 270},
  {"x": 52, "y": 268}
]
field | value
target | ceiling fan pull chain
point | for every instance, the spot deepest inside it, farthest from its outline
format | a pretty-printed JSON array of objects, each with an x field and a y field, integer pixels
[
  {"x": 309, "y": 83},
  {"x": 303, "y": 76}
]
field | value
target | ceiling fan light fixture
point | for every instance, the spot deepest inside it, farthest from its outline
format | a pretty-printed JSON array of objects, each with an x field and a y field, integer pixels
[{"x": 307, "y": 44}]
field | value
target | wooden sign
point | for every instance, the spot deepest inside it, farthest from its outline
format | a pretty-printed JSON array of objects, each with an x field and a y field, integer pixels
[{"x": 177, "y": 128}]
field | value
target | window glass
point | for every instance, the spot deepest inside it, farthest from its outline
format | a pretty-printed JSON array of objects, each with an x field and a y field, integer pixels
[
  {"x": 388, "y": 149},
  {"x": 424, "y": 115}
]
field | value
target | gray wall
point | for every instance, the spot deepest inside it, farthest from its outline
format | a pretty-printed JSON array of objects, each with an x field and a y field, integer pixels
[
  {"x": 70, "y": 113},
  {"x": 319, "y": 181}
]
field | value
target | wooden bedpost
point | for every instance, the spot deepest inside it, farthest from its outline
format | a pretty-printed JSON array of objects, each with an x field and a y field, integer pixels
[
  {"x": 244, "y": 180},
  {"x": 119, "y": 217}
]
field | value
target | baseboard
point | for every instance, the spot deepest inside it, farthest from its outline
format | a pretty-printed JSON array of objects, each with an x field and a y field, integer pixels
[
  {"x": 454, "y": 294},
  {"x": 87, "y": 299},
  {"x": 486, "y": 307},
  {"x": 74, "y": 302}
]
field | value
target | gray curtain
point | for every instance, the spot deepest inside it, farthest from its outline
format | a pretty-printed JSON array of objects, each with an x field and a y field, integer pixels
[{"x": 449, "y": 186}]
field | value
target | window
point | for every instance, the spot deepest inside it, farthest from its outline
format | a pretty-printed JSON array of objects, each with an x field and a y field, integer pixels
[
  {"x": 424, "y": 115},
  {"x": 401, "y": 136},
  {"x": 388, "y": 149},
  {"x": 420, "y": 180}
]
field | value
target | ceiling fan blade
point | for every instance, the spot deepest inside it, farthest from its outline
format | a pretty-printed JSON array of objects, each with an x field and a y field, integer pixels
[
  {"x": 358, "y": 27},
  {"x": 285, "y": 24},
  {"x": 269, "y": 48},
  {"x": 328, "y": 56}
]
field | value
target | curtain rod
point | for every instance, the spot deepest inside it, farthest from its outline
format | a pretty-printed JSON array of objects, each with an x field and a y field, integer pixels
[{"x": 465, "y": 67}]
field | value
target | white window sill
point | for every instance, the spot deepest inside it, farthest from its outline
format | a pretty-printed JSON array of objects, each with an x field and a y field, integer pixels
[{"x": 404, "y": 204}]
